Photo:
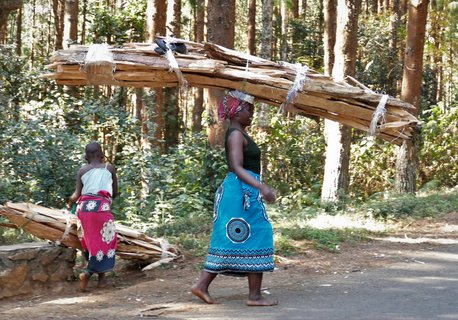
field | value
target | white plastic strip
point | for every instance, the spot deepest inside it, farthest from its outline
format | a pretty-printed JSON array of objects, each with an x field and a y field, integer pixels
[
  {"x": 301, "y": 77},
  {"x": 379, "y": 115}
]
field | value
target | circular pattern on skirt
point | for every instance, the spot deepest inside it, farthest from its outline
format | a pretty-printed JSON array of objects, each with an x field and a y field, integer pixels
[{"x": 238, "y": 230}]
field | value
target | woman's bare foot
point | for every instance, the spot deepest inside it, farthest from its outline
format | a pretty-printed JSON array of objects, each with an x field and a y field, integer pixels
[
  {"x": 84, "y": 279},
  {"x": 203, "y": 295},
  {"x": 261, "y": 302}
]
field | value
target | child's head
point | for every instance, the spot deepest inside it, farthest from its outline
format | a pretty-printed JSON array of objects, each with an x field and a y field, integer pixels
[{"x": 94, "y": 151}]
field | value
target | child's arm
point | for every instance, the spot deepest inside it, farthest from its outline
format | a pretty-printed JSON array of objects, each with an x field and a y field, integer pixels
[
  {"x": 112, "y": 169},
  {"x": 77, "y": 193}
]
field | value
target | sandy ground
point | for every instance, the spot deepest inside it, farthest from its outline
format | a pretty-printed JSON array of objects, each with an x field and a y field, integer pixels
[{"x": 165, "y": 292}]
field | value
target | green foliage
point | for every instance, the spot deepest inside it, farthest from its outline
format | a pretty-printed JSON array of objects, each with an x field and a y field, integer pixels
[
  {"x": 397, "y": 207},
  {"x": 377, "y": 63},
  {"x": 13, "y": 236},
  {"x": 119, "y": 26},
  {"x": 439, "y": 151},
  {"x": 372, "y": 166},
  {"x": 294, "y": 152}
]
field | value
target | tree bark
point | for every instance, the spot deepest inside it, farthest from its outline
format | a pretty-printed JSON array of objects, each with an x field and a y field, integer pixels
[
  {"x": 58, "y": 13},
  {"x": 6, "y": 6},
  {"x": 252, "y": 27},
  {"x": 393, "y": 74},
  {"x": 329, "y": 38},
  {"x": 295, "y": 9},
  {"x": 303, "y": 9},
  {"x": 19, "y": 33},
  {"x": 70, "y": 23},
  {"x": 266, "y": 33},
  {"x": 220, "y": 30},
  {"x": 338, "y": 137},
  {"x": 284, "y": 31},
  {"x": 83, "y": 23},
  {"x": 199, "y": 36},
  {"x": 149, "y": 30},
  {"x": 407, "y": 157}
]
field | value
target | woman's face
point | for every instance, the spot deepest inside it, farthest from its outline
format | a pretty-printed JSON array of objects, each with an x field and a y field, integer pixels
[{"x": 245, "y": 116}]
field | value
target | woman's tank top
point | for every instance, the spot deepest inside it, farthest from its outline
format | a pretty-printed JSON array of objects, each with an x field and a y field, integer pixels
[{"x": 251, "y": 153}]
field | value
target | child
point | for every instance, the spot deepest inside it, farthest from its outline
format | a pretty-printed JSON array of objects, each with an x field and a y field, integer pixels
[{"x": 96, "y": 186}]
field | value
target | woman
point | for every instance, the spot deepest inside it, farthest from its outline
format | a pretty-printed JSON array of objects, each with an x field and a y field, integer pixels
[
  {"x": 242, "y": 239},
  {"x": 96, "y": 185}
]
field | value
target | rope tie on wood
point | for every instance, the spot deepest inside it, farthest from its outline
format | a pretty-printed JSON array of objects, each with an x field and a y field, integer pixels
[
  {"x": 99, "y": 63},
  {"x": 378, "y": 115},
  {"x": 174, "y": 64},
  {"x": 68, "y": 226},
  {"x": 301, "y": 77},
  {"x": 29, "y": 218}
]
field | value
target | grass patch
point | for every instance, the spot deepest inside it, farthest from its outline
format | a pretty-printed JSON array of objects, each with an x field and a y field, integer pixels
[
  {"x": 421, "y": 206},
  {"x": 327, "y": 239}
]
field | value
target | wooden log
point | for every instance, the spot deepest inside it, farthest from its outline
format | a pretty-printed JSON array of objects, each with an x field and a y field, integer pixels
[
  {"x": 60, "y": 226},
  {"x": 211, "y": 66}
]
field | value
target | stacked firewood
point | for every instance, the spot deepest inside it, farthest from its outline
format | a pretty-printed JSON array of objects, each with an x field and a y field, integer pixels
[
  {"x": 294, "y": 88},
  {"x": 60, "y": 227}
]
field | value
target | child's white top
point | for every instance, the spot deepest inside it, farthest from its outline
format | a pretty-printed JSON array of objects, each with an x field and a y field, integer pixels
[{"x": 97, "y": 179}]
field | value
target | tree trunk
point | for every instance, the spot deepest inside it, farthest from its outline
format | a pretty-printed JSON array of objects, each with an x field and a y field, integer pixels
[
  {"x": 393, "y": 61},
  {"x": 266, "y": 33},
  {"x": 284, "y": 31},
  {"x": 199, "y": 36},
  {"x": 295, "y": 9},
  {"x": 159, "y": 18},
  {"x": 220, "y": 30},
  {"x": 83, "y": 23},
  {"x": 32, "y": 46},
  {"x": 150, "y": 12},
  {"x": 159, "y": 23},
  {"x": 70, "y": 23},
  {"x": 252, "y": 27},
  {"x": 172, "y": 26},
  {"x": 171, "y": 118},
  {"x": 6, "y": 6},
  {"x": 58, "y": 13},
  {"x": 19, "y": 33},
  {"x": 303, "y": 9},
  {"x": 329, "y": 38},
  {"x": 437, "y": 22},
  {"x": 338, "y": 137},
  {"x": 407, "y": 157}
]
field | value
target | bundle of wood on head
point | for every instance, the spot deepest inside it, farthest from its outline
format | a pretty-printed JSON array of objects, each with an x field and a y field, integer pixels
[
  {"x": 60, "y": 227},
  {"x": 293, "y": 87}
]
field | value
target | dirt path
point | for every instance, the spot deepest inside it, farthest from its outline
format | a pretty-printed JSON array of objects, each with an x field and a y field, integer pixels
[{"x": 164, "y": 293}]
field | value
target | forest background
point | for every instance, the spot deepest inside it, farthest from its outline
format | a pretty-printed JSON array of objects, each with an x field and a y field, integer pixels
[{"x": 163, "y": 143}]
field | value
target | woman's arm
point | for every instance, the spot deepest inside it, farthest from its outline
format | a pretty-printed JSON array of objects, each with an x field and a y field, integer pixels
[{"x": 235, "y": 143}]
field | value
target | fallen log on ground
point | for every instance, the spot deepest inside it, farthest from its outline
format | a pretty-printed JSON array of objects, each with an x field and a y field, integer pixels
[
  {"x": 298, "y": 89},
  {"x": 60, "y": 227}
]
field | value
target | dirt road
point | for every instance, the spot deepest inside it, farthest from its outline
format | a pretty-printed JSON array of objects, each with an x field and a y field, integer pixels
[{"x": 412, "y": 275}]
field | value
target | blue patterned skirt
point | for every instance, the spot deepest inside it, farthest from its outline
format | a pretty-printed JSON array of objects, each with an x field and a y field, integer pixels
[{"x": 242, "y": 239}]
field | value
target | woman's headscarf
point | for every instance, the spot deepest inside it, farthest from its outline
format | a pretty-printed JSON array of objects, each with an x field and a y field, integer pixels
[{"x": 232, "y": 103}]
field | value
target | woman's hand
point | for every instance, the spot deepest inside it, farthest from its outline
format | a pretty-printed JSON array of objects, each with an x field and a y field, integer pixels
[{"x": 267, "y": 193}]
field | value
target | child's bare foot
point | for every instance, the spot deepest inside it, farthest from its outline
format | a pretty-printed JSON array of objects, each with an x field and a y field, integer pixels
[
  {"x": 84, "y": 279},
  {"x": 203, "y": 295},
  {"x": 261, "y": 302},
  {"x": 102, "y": 282}
]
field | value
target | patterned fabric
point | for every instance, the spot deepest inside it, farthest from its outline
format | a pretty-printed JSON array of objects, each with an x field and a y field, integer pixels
[
  {"x": 233, "y": 103},
  {"x": 98, "y": 231},
  {"x": 242, "y": 239}
]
